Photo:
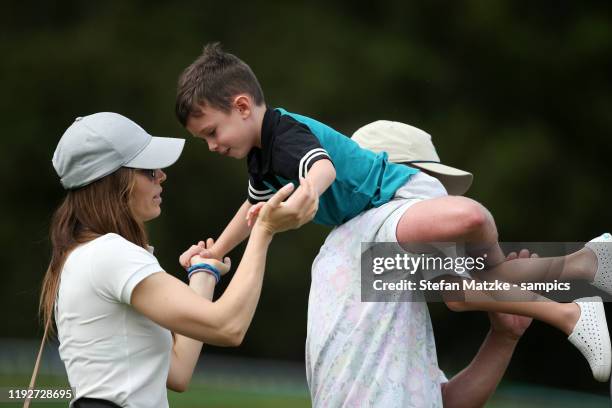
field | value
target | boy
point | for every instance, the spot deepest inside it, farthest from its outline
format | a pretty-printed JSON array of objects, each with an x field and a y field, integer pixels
[{"x": 220, "y": 101}]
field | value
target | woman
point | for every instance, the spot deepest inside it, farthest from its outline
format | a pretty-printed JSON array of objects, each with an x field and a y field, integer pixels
[{"x": 127, "y": 330}]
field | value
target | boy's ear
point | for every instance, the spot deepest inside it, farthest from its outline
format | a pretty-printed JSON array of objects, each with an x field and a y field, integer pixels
[{"x": 242, "y": 103}]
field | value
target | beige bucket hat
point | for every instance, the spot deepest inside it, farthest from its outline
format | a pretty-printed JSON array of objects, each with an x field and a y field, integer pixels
[{"x": 410, "y": 145}]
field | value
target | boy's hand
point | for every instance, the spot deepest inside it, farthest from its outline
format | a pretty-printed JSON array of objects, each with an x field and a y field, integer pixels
[
  {"x": 203, "y": 249},
  {"x": 252, "y": 214}
]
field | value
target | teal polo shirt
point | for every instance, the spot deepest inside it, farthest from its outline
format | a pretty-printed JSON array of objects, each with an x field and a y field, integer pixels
[{"x": 292, "y": 143}]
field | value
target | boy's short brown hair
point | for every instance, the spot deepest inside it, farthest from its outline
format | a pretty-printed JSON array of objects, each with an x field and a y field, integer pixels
[{"x": 213, "y": 79}]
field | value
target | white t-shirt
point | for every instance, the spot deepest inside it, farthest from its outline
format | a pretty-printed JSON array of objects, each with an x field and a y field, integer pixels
[
  {"x": 110, "y": 350},
  {"x": 363, "y": 355}
]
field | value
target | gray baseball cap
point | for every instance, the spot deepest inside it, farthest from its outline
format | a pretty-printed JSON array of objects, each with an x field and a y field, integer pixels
[{"x": 96, "y": 145}]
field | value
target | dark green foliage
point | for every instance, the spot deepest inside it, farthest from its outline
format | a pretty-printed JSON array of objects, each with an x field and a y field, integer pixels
[{"x": 520, "y": 93}]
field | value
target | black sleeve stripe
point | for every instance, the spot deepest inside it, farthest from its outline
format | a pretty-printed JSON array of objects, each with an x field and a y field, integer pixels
[{"x": 305, "y": 161}]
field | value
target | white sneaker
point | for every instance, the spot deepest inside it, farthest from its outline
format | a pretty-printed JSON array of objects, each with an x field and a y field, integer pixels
[
  {"x": 591, "y": 336},
  {"x": 602, "y": 246}
]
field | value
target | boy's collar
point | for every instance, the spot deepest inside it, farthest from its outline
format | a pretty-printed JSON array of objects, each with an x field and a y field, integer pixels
[{"x": 263, "y": 156}]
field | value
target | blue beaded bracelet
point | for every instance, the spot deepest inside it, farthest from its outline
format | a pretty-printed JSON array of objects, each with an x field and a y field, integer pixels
[{"x": 204, "y": 267}]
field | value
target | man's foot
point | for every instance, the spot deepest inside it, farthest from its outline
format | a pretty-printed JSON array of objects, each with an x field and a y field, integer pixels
[
  {"x": 591, "y": 336},
  {"x": 602, "y": 247}
]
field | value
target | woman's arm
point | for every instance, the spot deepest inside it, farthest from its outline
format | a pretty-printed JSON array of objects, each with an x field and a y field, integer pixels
[
  {"x": 186, "y": 351},
  {"x": 173, "y": 305},
  {"x": 170, "y": 303}
]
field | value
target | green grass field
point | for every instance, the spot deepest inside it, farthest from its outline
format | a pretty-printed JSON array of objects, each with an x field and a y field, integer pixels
[
  {"x": 235, "y": 395},
  {"x": 202, "y": 396},
  {"x": 199, "y": 395}
]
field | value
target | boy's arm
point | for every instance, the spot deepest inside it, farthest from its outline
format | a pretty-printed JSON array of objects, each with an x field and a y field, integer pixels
[
  {"x": 321, "y": 175},
  {"x": 236, "y": 231}
]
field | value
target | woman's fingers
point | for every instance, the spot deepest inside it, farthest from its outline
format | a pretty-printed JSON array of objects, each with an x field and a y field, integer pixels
[
  {"x": 281, "y": 195},
  {"x": 309, "y": 202},
  {"x": 228, "y": 262},
  {"x": 253, "y": 212},
  {"x": 251, "y": 220},
  {"x": 185, "y": 257},
  {"x": 202, "y": 249},
  {"x": 255, "y": 209},
  {"x": 302, "y": 195},
  {"x": 278, "y": 216},
  {"x": 223, "y": 267}
]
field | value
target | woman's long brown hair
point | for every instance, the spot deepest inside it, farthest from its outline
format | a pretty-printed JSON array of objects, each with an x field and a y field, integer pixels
[{"x": 99, "y": 208}]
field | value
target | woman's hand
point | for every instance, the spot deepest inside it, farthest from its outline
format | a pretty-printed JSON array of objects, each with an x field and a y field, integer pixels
[
  {"x": 185, "y": 257},
  {"x": 277, "y": 216},
  {"x": 203, "y": 253}
]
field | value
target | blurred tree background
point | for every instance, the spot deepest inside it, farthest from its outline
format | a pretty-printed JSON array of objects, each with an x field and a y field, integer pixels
[{"x": 517, "y": 92}]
